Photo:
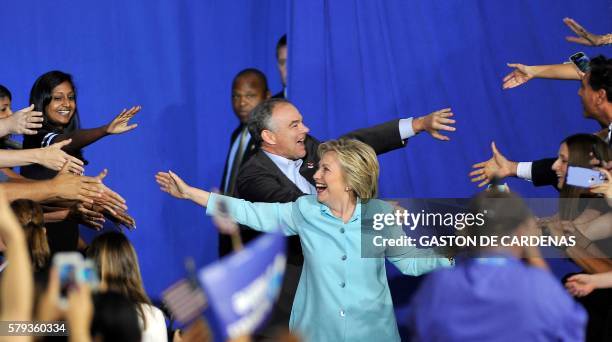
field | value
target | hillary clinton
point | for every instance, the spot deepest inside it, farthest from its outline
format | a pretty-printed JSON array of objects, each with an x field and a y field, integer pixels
[{"x": 341, "y": 295}]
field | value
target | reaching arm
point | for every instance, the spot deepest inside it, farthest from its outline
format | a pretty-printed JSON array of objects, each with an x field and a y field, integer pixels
[
  {"x": 64, "y": 186},
  {"x": 539, "y": 171},
  {"x": 265, "y": 217},
  {"x": 389, "y": 135},
  {"x": 17, "y": 284},
  {"x": 523, "y": 73},
  {"x": 498, "y": 166},
  {"x": 51, "y": 157},
  {"x": 84, "y": 137},
  {"x": 580, "y": 285}
]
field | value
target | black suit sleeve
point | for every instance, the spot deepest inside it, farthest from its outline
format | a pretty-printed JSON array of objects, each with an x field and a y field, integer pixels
[
  {"x": 258, "y": 184},
  {"x": 542, "y": 173},
  {"x": 382, "y": 138}
]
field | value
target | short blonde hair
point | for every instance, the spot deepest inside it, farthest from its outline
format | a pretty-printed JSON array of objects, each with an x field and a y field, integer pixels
[{"x": 359, "y": 165}]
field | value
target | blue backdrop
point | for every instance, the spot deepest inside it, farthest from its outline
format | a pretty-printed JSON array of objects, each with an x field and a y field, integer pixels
[{"x": 351, "y": 64}]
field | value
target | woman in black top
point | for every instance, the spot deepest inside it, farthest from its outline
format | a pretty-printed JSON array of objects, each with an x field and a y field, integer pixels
[{"x": 54, "y": 94}]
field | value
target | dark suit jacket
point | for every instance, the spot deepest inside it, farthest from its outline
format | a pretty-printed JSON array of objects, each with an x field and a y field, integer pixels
[
  {"x": 248, "y": 153},
  {"x": 542, "y": 173},
  {"x": 260, "y": 180}
]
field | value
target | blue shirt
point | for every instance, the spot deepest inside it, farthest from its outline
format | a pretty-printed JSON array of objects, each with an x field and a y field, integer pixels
[
  {"x": 341, "y": 296},
  {"x": 494, "y": 299},
  {"x": 291, "y": 169}
]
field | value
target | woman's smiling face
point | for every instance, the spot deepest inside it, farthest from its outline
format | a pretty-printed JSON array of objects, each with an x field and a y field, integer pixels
[
  {"x": 329, "y": 179},
  {"x": 63, "y": 104}
]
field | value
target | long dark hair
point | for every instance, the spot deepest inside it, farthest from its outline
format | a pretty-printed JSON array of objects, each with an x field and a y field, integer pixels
[
  {"x": 115, "y": 318},
  {"x": 580, "y": 146},
  {"x": 41, "y": 94},
  {"x": 117, "y": 263},
  {"x": 40, "y": 97},
  {"x": 4, "y": 92}
]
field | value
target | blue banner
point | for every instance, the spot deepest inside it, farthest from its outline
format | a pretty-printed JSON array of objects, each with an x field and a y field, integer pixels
[{"x": 243, "y": 287}]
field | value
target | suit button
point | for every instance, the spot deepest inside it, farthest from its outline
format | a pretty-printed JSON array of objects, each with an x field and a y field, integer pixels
[
  {"x": 342, "y": 284},
  {"x": 342, "y": 230},
  {"x": 343, "y": 257}
]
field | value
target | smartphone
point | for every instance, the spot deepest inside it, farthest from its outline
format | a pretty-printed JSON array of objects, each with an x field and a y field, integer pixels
[
  {"x": 581, "y": 61},
  {"x": 88, "y": 274},
  {"x": 68, "y": 265},
  {"x": 583, "y": 177}
]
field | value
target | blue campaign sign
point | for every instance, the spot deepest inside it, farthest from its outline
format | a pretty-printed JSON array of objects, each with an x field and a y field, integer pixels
[{"x": 243, "y": 287}]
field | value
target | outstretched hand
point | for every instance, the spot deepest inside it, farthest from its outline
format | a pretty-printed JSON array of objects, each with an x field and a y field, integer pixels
[
  {"x": 52, "y": 157},
  {"x": 25, "y": 121},
  {"x": 171, "y": 183},
  {"x": 120, "y": 122},
  {"x": 76, "y": 188},
  {"x": 85, "y": 214},
  {"x": 435, "y": 122},
  {"x": 580, "y": 285},
  {"x": 498, "y": 166},
  {"x": 583, "y": 36},
  {"x": 110, "y": 200},
  {"x": 519, "y": 76}
]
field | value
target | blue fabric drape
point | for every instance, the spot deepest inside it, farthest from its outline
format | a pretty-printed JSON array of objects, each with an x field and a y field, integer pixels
[
  {"x": 356, "y": 63},
  {"x": 351, "y": 64},
  {"x": 176, "y": 59}
]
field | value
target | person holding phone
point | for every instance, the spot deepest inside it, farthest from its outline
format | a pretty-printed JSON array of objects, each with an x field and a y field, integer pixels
[{"x": 596, "y": 95}]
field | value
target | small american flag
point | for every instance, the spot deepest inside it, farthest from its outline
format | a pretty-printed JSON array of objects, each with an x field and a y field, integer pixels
[{"x": 185, "y": 299}]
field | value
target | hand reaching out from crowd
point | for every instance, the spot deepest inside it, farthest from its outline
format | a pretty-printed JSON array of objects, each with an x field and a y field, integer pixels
[
  {"x": 519, "y": 76},
  {"x": 121, "y": 218},
  {"x": 580, "y": 285},
  {"x": 120, "y": 122},
  {"x": 585, "y": 37},
  {"x": 108, "y": 205},
  {"x": 498, "y": 166},
  {"x": 109, "y": 200},
  {"x": 76, "y": 188},
  {"x": 435, "y": 122},
  {"x": 85, "y": 214},
  {"x": 24, "y": 121},
  {"x": 52, "y": 157}
]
